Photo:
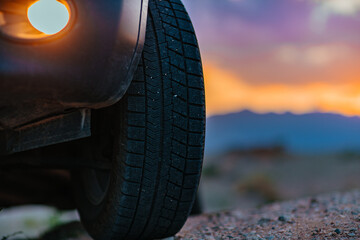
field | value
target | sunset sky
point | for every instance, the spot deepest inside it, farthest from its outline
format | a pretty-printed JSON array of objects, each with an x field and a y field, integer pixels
[{"x": 280, "y": 55}]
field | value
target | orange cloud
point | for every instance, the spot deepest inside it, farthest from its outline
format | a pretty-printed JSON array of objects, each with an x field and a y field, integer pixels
[{"x": 226, "y": 92}]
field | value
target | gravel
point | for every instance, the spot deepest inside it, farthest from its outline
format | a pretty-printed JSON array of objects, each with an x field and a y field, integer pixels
[{"x": 331, "y": 216}]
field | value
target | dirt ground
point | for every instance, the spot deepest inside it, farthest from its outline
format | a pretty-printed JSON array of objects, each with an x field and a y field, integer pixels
[{"x": 331, "y": 216}]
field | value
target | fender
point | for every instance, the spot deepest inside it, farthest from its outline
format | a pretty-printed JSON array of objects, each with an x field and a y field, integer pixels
[{"x": 90, "y": 66}]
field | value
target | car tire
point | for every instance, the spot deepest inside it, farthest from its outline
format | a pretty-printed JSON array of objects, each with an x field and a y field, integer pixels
[{"x": 153, "y": 139}]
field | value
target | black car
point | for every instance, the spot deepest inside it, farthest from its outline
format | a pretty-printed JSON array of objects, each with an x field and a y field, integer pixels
[{"x": 112, "y": 92}]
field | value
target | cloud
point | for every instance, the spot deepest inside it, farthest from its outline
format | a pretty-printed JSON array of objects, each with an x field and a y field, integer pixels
[
  {"x": 313, "y": 55},
  {"x": 326, "y": 8},
  {"x": 340, "y": 7}
]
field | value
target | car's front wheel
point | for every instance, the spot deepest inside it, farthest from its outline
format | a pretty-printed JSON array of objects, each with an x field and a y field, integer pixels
[{"x": 153, "y": 139}]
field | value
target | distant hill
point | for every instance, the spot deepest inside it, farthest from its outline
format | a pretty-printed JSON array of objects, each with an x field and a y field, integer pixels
[{"x": 313, "y": 133}]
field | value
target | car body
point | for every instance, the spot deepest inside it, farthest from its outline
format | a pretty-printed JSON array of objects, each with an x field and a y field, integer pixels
[
  {"x": 47, "y": 87},
  {"x": 106, "y": 114}
]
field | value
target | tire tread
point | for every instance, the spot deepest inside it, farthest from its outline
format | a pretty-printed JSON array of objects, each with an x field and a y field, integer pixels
[{"x": 164, "y": 117}]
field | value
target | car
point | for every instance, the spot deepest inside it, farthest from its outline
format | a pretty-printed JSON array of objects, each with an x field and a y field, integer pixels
[{"x": 112, "y": 93}]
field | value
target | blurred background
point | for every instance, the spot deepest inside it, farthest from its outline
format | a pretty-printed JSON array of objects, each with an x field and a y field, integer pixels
[{"x": 283, "y": 98}]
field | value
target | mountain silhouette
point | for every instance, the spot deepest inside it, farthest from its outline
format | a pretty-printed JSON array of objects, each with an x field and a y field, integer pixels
[{"x": 313, "y": 133}]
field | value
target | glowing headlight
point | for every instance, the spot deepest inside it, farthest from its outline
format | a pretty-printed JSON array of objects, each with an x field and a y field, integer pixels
[
  {"x": 34, "y": 19},
  {"x": 48, "y": 16}
]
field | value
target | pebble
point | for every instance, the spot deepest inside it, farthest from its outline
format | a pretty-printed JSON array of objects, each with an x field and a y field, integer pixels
[{"x": 263, "y": 221}]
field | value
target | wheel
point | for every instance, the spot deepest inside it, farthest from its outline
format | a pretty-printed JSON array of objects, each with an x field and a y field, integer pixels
[{"x": 153, "y": 139}]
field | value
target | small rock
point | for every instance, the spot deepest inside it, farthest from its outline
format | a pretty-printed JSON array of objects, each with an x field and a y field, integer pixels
[
  {"x": 282, "y": 219},
  {"x": 351, "y": 234},
  {"x": 313, "y": 201},
  {"x": 337, "y": 231},
  {"x": 263, "y": 221}
]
